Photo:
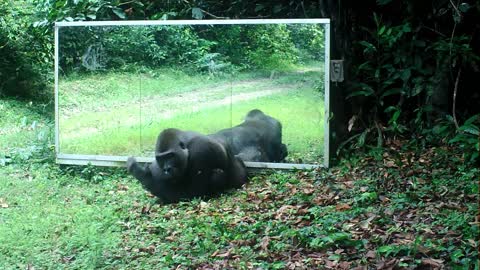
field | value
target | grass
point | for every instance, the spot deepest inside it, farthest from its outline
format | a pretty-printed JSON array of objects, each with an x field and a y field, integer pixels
[
  {"x": 364, "y": 212},
  {"x": 99, "y": 117}
]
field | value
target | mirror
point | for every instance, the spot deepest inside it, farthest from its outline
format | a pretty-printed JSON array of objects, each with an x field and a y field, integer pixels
[{"x": 120, "y": 85}]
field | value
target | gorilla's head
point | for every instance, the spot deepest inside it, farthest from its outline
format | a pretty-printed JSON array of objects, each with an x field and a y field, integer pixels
[{"x": 171, "y": 154}]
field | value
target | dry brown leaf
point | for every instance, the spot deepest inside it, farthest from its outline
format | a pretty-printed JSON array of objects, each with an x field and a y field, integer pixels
[
  {"x": 264, "y": 243},
  {"x": 370, "y": 254},
  {"x": 342, "y": 207},
  {"x": 387, "y": 265},
  {"x": 391, "y": 164},
  {"x": 344, "y": 265},
  {"x": 436, "y": 263},
  {"x": 308, "y": 191}
]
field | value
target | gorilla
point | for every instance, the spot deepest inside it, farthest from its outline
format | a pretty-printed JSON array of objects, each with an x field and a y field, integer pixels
[
  {"x": 258, "y": 138},
  {"x": 188, "y": 164}
]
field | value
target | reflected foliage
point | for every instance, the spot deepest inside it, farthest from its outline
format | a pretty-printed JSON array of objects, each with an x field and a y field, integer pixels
[{"x": 202, "y": 48}]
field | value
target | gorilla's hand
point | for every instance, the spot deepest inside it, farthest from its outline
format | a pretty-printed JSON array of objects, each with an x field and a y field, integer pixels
[{"x": 131, "y": 161}]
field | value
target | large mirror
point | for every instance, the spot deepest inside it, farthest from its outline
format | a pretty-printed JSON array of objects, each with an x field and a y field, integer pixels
[{"x": 119, "y": 85}]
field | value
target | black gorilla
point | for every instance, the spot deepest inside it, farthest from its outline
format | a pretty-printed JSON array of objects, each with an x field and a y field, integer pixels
[
  {"x": 188, "y": 164},
  {"x": 258, "y": 138}
]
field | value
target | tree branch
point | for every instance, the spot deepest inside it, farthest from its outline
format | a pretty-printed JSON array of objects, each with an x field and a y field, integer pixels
[{"x": 455, "y": 98}]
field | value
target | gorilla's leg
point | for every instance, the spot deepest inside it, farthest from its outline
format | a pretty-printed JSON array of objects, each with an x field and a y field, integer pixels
[
  {"x": 238, "y": 173},
  {"x": 214, "y": 165}
]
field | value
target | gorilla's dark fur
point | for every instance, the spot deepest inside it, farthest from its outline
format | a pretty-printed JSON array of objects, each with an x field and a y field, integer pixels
[
  {"x": 258, "y": 138},
  {"x": 188, "y": 164}
]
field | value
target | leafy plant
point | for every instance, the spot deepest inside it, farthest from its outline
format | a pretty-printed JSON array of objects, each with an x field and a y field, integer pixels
[{"x": 467, "y": 138}]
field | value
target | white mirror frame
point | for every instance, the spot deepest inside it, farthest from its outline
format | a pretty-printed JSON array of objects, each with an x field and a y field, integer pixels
[{"x": 102, "y": 160}]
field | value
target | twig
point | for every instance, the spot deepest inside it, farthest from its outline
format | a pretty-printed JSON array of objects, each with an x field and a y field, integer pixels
[
  {"x": 128, "y": 2},
  {"x": 454, "y": 26},
  {"x": 455, "y": 97},
  {"x": 456, "y": 9},
  {"x": 214, "y": 16},
  {"x": 433, "y": 30}
]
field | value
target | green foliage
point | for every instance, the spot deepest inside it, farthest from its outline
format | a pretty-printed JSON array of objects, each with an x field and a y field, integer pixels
[
  {"x": 271, "y": 47},
  {"x": 391, "y": 63},
  {"x": 25, "y": 59},
  {"x": 27, "y": 133},
  {"x": 26, "y": 41},
  {"x": 309, "y": 38},
  {"x": 400, "y": 75},
  {"x": 50, "y": 11},
  {"x": 466, "y": 137}
]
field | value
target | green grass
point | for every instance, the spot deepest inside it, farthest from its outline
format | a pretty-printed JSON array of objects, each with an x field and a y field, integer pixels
[
  {"x": 118, "y": 127},
  {"x": 24, "y": 128},
  {"x": 50, "y": 217}
]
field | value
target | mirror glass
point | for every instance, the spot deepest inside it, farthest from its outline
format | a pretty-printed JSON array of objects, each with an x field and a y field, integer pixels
[{"x": 120, "y": 86}]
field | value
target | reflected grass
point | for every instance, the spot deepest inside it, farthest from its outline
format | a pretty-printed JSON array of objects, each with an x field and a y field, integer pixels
[{"x": 131, "y": 126}]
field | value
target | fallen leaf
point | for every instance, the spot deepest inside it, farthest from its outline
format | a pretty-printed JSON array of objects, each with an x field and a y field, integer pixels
[
  {"x": 342, "y": 207},
  {"x": 264, "y": 243},
  {"x": 390, "y": 164},
  {"x": 433, "y": 262},
  {"x": 370, "y": 254}
]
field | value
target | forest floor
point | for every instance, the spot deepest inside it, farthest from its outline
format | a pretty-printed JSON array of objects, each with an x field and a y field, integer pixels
[{"x": 403, "y": 206}]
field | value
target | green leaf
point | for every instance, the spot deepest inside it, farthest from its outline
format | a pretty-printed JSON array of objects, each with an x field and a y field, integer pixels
[
  {"x": 367, "y": 45},
  {"x": 393, "y": 91},
  {"x": 119, "y": 12},
  {"x": 385, "y": 249},
  {"x": 471, "y": 129},
  {"x": 92, "y": 16},
  {"x": 277, "y": 8},
  {"x": 365, "y": 66},
  {"x": 381, "y": 30},
  {"x": 464, "y": 7},
  {"x": 472, "y": 119},
  {"x": 197, "y": 13},
  {"x": 259, "y": 7},
  {"x": 390, "y": 109},
  {"x": 362, "y": 138},
  {"x": 407, "y": 28},
  {"x": 406, "y": 74},
  {"x": 383, "y": 2},
  {"x": 365, "y": 92},
  {"x": 394, "y": 117},
  {"x": 419, "y": 43}
]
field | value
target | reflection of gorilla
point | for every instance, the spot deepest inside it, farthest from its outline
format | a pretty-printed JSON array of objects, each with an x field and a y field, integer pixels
[
  {"x": 187, "y": 165},
  {"x": 258, "y": 138}
]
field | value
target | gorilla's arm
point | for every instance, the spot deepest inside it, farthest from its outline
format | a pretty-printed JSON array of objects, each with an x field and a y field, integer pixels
[
  {"x": 158, "y": 187},
  {"x": 143, "y": 174},
  {"x": 237, "y": 172}
]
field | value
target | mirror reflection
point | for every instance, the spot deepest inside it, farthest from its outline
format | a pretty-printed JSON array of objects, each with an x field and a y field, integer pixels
[{"x": 259, "y": 88}]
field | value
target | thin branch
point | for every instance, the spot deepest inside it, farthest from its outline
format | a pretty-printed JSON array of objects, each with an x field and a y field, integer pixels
[
  {"x": 455, "y": 97},
  {"x": 433, "y": 30},
  {"x": 214, "y": 16},
  {"x": 451, "y": 40},
  {"x": 456, "y": 9},
  {"x": 303, "y": 9},
  {"x": 125, "y": 3}
]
